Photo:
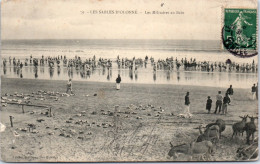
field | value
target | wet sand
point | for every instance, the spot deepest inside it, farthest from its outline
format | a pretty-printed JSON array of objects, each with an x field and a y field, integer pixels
[{"x": 90, "y": 134}]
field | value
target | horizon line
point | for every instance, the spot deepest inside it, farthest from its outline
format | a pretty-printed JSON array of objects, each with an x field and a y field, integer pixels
[{"x": 116, "y": 39}]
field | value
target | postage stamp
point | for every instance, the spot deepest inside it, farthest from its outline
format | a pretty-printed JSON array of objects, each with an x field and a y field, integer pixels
[{"x": 239, "y": 34}]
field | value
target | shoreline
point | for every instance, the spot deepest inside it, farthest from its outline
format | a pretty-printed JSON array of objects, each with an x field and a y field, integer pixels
[{"x": 126, "y": 83}]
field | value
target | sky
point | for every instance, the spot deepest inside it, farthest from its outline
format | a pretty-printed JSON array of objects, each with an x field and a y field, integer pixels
[{"x": 63, "y": 19}]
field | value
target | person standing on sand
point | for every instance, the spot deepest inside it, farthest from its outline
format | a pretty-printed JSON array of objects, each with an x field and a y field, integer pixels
[
  {"x": 230, "y": 93},
  {"x": 69, "y": 86},
  {"x": 187, "y": 104},
  {"x": 209, "y": 103},
  {"x": 225, "y": 104},
  {"x": 219, "y": 98},
  {"x": 256, "y": 91},
  {"x": 253, "y": 92},
  {"x": 118, "y": 80}
]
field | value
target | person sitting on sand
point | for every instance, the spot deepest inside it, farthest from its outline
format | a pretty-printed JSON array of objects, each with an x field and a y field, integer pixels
[
  {"x": 118, "y": 80},
  {"x": 209, "y": 103},
  {"x": 69, "y": 86}
]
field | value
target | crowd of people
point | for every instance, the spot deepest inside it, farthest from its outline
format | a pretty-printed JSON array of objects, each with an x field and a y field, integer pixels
[{"x": 89, "y": 64}]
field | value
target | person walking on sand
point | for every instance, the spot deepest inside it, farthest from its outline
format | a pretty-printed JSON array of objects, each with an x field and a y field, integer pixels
[
  {"x": 253, "y": 92},
  {"x": 187, "y": 105},
  {"x": 219, "y": 98},
  {"x": 225, "y": 104},
  {"x": 208, "y": 104},
  {"x": 230, "y": 92},
  {"x": 118, "y": 80},
  {"x": 69, "y": 86}
]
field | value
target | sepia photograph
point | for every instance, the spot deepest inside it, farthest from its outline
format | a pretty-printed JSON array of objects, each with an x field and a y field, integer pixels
[{"x": 129, "y": 81}]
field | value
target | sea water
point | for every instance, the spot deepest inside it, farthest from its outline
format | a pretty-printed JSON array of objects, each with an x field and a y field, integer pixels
[{"x": 202, "y": 50}]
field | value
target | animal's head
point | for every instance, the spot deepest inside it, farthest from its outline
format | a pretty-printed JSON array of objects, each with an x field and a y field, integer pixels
[
  {"x": 252, "y": 119},
  {"x": 244, "y": 118}
]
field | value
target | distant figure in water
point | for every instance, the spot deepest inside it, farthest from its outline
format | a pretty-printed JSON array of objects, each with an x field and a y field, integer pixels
[
  {"x": 118, "y": 80},
  {"x": 69, "y": 86},
  {"x": 209, "y": 104}
]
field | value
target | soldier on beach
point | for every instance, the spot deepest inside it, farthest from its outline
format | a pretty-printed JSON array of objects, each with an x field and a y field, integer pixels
[
  {"x": 219, "y": 98},
  {"x": 69, "y": 86}
]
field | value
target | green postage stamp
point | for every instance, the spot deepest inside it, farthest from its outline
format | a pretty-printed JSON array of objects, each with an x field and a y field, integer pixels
[{"x": 239, "y": 34}]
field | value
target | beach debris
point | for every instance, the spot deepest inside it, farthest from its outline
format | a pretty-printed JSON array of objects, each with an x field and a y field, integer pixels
[
  {"x": 111, "y": 114},
  {"x": 72, "y": 131},
  {"x": 2, "y": 127},
  {"x": 83, "y": 112},
  {"x": 50, "y": 133},
  {"x": 94, "y": 113},
  {"x": 31, "y": 127},
  {"x": 23, "y": 129},
  {"x": 4, "y": 98},
  {"x": 11, "y": 120},
  {"x": 79, "y": 115},
  {"x": 95, "y": 94},
  {"x": 40, "y": 120},
  {"x": 16, "y": 134},
  {"x": 26, "y": 98},
  {"x": 80, "y": 138}
]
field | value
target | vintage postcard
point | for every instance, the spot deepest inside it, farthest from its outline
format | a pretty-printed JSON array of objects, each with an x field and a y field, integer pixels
[{"x": 129, "y": 80}]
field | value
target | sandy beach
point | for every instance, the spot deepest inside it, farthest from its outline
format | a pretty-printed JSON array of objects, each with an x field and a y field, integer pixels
[{"x": 85, "y": 127}]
